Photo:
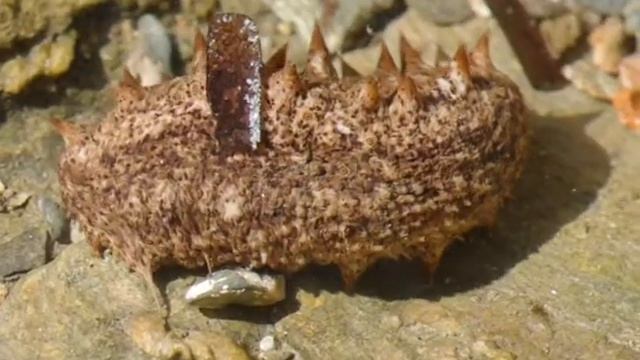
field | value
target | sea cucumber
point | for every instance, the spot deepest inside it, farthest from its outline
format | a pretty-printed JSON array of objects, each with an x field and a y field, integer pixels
[{"x": 260, "y": 165}]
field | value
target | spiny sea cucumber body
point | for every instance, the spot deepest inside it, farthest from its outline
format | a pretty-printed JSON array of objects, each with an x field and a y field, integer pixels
[{"x": 348, "y": 171}]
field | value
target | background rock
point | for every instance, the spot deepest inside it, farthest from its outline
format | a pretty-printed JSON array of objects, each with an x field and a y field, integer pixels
[
  {"x": 545, "y": 8},
  {"x": 592, "y": 80},
  {"x": 608, "y": 44},
  {"x": 51, "y": 58},
  {"x": 443, "y": 12},
  {"x": 561, "y": 33},
  {"x": 24, "y": 19}
]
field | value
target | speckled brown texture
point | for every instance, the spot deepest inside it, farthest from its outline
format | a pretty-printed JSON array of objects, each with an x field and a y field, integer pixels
[{"x": 348, "y": 171}]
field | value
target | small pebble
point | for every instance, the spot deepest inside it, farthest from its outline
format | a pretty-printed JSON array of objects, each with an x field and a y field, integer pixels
[
  {"x": 629, "y": 71},
  {"x": 627, "y": 105},
  {"x": 11, "y": 199},
  {"x": 607, "y": 44},
  {"x": 54, "y": 216},
  {"x": 267, "y": 343},
  {"x": 76, "y": 233},
  {"x": 236, "y": 286}
]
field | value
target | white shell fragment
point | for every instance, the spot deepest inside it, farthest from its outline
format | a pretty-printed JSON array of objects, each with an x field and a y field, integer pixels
[
  {"x": 236, "y": 286},
  {"x": 11, "y": 199}
]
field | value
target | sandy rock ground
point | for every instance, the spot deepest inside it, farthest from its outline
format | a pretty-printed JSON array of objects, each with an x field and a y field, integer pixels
[{"x": 557, "y": 278}]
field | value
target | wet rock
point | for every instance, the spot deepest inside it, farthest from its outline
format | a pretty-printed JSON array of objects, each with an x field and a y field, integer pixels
[
  {"x": 87, "y": 307},
  {"x": 592, "y": 80},
  {"x": 566, "y": 241},
  {"x": 490, "y": 350},
  {"x": 608, "y": 44},
  {"x": 561, "y": 33},
  {"x": 148, "y": 332},
  {"x": 443, "y": 12},
  {"x": 24, "y": 252},
  {"x": 51, "y": 58}
]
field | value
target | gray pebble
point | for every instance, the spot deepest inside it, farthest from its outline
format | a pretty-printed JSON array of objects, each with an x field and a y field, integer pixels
[
  {"x": 54, "y": 216},
  {"x": 24, "y": 252}
]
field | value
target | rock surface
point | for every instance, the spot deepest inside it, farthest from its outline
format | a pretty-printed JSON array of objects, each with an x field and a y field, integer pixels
[
  {"x": 556, "y": 278},
  {"x": 591, "y": 79},
  {"x": 24, "y": 252},
  {"x": 52, "y": 57},
  {"x": 24, "y": 19},
  {"x": 561, "y": 33},
  {"x": 442, "y": 12}
]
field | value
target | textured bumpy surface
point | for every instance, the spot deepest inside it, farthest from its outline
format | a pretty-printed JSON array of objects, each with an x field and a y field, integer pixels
[{"x": 347, "y": 170}]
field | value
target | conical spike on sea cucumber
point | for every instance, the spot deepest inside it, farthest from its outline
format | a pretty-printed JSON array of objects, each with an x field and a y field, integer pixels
[
  {"x": 461, "y": 64},
  {"x": 481, "y": 54},
  {"x": 386, "y": 64},
  {"x": 130, "y": 84},
  {"x": 406, "y": 90},
  {"x": 431, "y": 260},
  {"x": 70, "y": 133},
  {"x": 291, "y": 78},
  {"x": 276, "y": 62},
  {"x": 319, "y": 65},
  {"x": 410, "y": 57},
  {"x": 199, "y": 60},
  {"x": 369, "y": 95},
  {"x": 350, "y": 274}
]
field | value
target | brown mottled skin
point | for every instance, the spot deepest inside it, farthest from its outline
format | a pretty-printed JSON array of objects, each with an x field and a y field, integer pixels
[{"x": 349, "y": 171}]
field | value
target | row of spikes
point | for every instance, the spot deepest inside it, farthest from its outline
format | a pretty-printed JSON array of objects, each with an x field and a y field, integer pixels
[
  {"x": 319, "y": 65},
  {"x": 320, "y": 68}
]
